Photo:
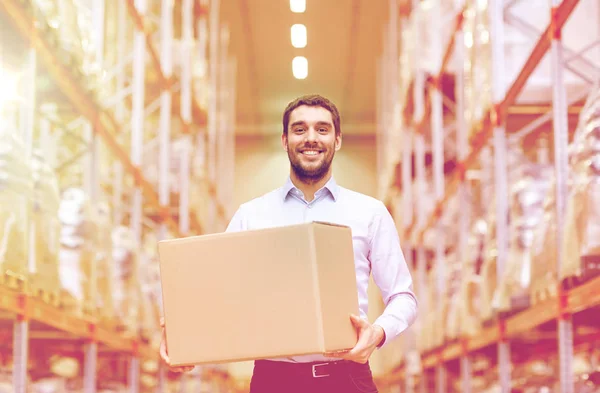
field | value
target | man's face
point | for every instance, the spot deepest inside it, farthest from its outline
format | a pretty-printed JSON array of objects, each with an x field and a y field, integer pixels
[{"x": 311, "y": 142}]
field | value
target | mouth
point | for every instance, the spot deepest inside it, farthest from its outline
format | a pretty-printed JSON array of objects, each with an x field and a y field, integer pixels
[{"x": 311, "y": 152}]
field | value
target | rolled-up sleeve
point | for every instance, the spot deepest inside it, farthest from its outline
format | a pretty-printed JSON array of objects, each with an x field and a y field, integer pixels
[{"x": 392, "y": 276}]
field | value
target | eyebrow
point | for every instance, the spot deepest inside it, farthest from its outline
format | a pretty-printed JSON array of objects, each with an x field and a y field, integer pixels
[{"x": 319, "y": 123}]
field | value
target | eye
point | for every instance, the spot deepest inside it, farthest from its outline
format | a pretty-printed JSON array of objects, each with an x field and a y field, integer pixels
[
  {"x": 323, "y": 129},
  {"x": 298, "y": 130}
]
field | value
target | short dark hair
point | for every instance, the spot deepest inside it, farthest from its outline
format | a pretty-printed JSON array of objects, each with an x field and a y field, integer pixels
[{"x": 312, "y": 100}]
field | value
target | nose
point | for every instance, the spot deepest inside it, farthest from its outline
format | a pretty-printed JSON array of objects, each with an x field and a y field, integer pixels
[{"x": 311, "y": 135}]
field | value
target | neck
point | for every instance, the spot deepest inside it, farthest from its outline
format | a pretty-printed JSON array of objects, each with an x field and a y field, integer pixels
[{"x": 308, "y": 187}]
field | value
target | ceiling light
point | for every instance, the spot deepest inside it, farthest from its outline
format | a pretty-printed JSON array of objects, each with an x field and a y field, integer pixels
[
  {"x": 298, "y": 6},
  {"x": 299, "y": 36},
  {"x": 300, "y": 67}
]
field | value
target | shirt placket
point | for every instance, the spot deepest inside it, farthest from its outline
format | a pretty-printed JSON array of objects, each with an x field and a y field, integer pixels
[{"x": 309, "y": 208}]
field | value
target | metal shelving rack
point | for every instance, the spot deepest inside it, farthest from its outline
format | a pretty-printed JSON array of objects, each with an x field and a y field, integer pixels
[
  {"x": 113, "y": 127},
  {"x": 406, "y": 115}
]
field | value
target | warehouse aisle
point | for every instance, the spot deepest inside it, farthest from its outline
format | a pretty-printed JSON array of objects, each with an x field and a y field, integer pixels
[{"x": 476, "y": 123}]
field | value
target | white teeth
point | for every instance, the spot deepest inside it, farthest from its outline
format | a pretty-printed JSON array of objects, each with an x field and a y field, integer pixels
[{"x": 311, "y": 152}]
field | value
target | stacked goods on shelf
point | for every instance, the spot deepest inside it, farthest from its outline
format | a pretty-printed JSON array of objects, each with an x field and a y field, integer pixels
[
  {"x": 447, "y": 323},
  {"x": 581, "y": 250},
  {"x": 77, "y": 252},
  {"x": 469, "y": 300},
  {"x": 543, "y": 253},
  {"x": 488, "y": 266},
  {"x": 105, "y": 305},
  {"x": 149, "y": 284},
  {"x": 477, "y": 64},
  {"x": 45, "y": 229},
  {"x": 430, "y": 331},
  {"x": 126, "y": 295},
  {"x": 479, "y": 249},
  {"x": 480, "y": 280},
  {"x": 16, "y": 193},
  {"x": 485, "y": 375},
  {"x": 539, "y": 375},
  {"x": 200, "y": 80},
  {"x": 6, "y": 381},
  {"x": 69, "y": 25},
  {"x": 526, "y": 199},
  {"x": 455, "y": 276},
  {"x": 580, "y": 243}
]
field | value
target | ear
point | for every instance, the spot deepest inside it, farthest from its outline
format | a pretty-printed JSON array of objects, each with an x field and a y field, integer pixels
[
  {"x": 284, "y": 141},
  {"x": 338, "y": 142}
]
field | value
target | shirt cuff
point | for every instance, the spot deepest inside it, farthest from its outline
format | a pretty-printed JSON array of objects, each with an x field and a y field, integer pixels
[{"x": 391, "y": 328}]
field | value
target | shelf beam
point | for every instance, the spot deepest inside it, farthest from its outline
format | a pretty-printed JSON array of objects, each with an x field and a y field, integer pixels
[
  {"x": 30, "y": 309},
  {"x": 579, "y": 299}
]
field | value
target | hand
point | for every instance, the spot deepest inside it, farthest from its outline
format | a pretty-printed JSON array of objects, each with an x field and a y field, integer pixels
[
  {"x": 369, "y": 337},
  {"x": 163, "y": 352}
]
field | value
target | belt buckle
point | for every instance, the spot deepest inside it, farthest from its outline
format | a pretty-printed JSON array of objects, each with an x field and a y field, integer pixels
[{"x": 314, "y": 370}]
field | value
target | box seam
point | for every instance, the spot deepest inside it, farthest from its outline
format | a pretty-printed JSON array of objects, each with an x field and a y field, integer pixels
[{"x": 316, "y": 289}]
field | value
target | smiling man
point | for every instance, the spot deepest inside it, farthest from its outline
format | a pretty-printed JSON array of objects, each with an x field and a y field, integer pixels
[{"x": 311, "y": 136}]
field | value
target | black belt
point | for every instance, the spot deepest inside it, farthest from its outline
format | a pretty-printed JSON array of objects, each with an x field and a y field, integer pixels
[{"x": 314, "y": 369}]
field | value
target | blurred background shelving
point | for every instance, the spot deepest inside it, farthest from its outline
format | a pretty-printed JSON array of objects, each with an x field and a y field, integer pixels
[{"x": 477, "y": 122}]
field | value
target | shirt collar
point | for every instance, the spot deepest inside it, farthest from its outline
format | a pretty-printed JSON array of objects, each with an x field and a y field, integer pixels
[{"x": 331, "y": 186}]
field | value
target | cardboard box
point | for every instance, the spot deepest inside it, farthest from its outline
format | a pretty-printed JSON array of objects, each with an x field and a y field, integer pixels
[{"x": 258, "y": 294}]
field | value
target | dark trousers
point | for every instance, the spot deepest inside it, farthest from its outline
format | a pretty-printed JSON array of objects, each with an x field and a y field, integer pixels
[{"x": 332, "y": 377}]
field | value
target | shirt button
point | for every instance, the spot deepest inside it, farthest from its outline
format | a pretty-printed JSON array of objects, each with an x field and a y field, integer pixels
[{"x": 310, "y": 206}]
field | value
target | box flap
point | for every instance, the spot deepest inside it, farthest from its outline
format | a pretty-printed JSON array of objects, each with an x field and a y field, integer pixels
[{"x": 333, "y": 224}]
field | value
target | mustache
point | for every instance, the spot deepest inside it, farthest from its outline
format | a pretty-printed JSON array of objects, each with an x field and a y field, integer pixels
[{"x": 311, "y": 147}]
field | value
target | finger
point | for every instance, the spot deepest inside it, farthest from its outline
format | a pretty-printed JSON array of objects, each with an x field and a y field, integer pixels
[
  {"x": 182, "y": 369},
  {"x": 162, "y": 322},
  {"x": 163, "y": 352},
  {"x": 335, "y": 354}
]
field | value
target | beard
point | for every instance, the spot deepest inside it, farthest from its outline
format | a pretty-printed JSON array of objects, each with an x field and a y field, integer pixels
[{"x": 311, "y": 172}]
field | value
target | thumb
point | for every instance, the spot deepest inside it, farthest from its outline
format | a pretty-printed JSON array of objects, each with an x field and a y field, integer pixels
[{"x": 358, "y": 322}]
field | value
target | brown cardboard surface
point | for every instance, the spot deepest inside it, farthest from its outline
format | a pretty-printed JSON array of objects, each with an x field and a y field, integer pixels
[{"x": 266, "y": 293}]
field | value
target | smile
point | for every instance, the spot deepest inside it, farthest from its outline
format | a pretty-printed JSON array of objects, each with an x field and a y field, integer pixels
[{"x": 311, "y": 152}]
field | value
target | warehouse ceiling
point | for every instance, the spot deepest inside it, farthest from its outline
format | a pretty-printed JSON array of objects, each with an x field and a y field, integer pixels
[
  {"x": 345, "y": 39},
  {"x": 344, "y": 42}
]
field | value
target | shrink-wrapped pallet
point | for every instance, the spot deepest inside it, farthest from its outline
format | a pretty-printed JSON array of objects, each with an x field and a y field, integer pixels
[
  {"x": 152, "y": 268},
  {"x": 77, "y": 252},
  {"x": 451, "y": 298},
  {"x": 16, "y": 192},
  {"x": 484, "y": 377},
  {"x": 429, "y": 319},
  {"x": 526, "y": 211},
  {"x": 469, "y": 306},
  {"x": 70, "y": 32},
  {"x": 488, "y": 268},
  {"x": 126, "y": 287},
  {"x": 104, "y": 263},
  {"x": 478, "y": 64},
  {"x": 581, "y": 243},
  {"x": 6, "y": 381},
  {"x": 543, "y": 253},
  {"x": 149, "y": 273},
  {"x": 49, "y": 385},
  {"x": 581, "y": 249},
  {"x": 45, "y": 227},
  {"x": 534, "y": 374},
  {"x": 436, "y": 317}
]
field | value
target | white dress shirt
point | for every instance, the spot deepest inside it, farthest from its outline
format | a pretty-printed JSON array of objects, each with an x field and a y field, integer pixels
[{"x": 375, "y": 239}]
